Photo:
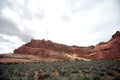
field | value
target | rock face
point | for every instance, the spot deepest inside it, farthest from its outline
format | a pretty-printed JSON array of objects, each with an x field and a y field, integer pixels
[
  {"x": 107, "y": 50},
  {"x": 49, "y": 49}
]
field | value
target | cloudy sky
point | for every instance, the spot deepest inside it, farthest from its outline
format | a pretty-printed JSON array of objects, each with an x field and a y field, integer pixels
[{"x": 71, "y": 22}]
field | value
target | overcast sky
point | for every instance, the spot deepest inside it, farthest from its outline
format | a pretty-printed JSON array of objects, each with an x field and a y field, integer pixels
[{"x": 71, "y": 22}]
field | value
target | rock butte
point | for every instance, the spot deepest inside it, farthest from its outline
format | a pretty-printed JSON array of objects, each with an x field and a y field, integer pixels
[{"x": 44, "y": 51}]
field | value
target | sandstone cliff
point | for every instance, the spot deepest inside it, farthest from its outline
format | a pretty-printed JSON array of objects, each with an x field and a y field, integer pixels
[
  {"x": 107, "y": 50},
  {"x": 103, "y": 50},
  {"x": 46, "y": 50}
]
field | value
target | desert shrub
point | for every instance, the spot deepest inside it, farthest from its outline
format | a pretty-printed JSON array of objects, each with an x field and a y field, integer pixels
[
  {"x": 86, "y": 78},
  {"x": 59, "y": 78},
  {"x": 76, "y": 77},
  {"x": 67, "y": 74},
  {"x": 105, "y": 78},
  {"x": 31, "y": 76},
  {"x": 74, "y": 70},
  {"x": 43, "y": 75},
  {"x": 96, "y": 78},
  {"x": 85, "y": 71},
  {"x": 116, "y": 69},
  {"x": 116, "y": 78},
  {"x": 1, "y": 71},
  {"x": 62, "y": 72},
  {"x": 5, "y": 75},
  {"x": 102, "y": 73},
  {"x": 103, "y": 70},
  {"x": 95, "y": 75},
  {"x": 4, "y": 78},
  {"x": 109, "y": 73}
]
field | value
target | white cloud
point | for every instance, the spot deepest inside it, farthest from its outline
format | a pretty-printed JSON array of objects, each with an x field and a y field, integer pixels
[
  {"x": 79, "y": 22},
  {"x": 11, "y": 14},
  {"x": 7, "y": 47},
  {"x": 20, "y": 2}
]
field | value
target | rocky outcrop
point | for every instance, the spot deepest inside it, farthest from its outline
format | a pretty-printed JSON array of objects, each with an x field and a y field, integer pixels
[
  {"x": 107, "y": 50},
  {"x": 46, "y": 50},
  {"x": 37, "y": 47}
]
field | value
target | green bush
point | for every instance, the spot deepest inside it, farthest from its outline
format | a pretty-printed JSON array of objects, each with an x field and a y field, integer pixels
[
  {"x": 66, "y": 70},
  {"x": 43, "y": 75}
]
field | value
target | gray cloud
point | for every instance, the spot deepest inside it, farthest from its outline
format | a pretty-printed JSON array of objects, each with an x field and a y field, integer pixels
[
  {"x": 26, "y": 34},
  {"x": 17, "y": 7},
  {"x": 22, "y": 9},
  {"x": 87, "y": 5},
  {"x": 10, "y": 28},
  {"x": 65, "y": 18},
  {"x": 39, "y": 14},
  {"x": 3, "y": 40}
]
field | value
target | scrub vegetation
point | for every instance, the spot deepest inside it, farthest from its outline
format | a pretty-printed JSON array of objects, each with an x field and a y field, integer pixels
[{"x": 65, "y": 70}]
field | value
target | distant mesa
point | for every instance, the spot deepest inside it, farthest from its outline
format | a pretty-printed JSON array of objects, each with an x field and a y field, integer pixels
[
  {"x": 103, "y": 50},
  {"x": 46, "y": 50}
]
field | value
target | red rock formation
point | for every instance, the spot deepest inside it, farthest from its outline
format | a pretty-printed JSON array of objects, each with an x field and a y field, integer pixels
[
  {"x": 103, "y": 50},
  {"x": 49, "y": 49},
  {"x": 107, "y": 50}
]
